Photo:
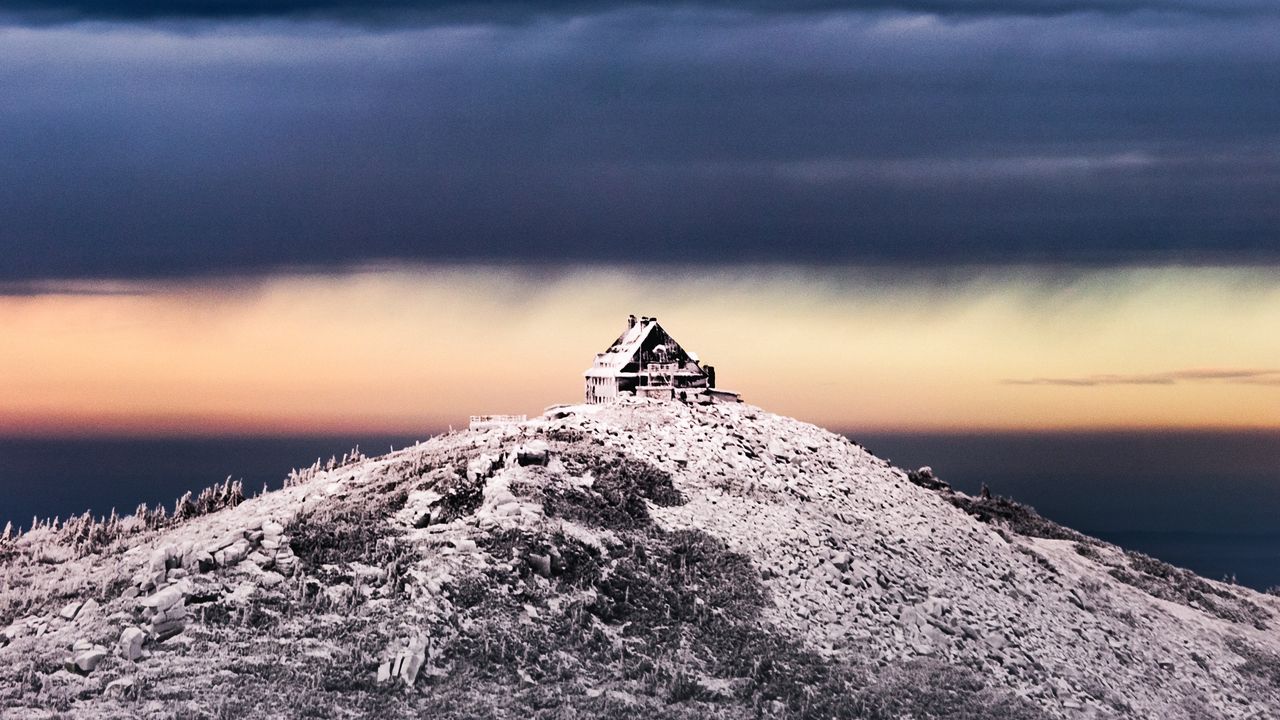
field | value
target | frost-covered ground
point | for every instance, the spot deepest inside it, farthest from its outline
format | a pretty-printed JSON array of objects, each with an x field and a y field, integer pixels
[{"x": 640, "y": 559}]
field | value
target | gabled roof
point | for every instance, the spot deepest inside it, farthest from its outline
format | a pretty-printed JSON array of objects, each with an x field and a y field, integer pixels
[{"x": 623, "y": 350}]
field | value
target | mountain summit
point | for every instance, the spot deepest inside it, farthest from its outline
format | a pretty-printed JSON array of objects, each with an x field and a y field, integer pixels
[{"x": 641, "y": 558}]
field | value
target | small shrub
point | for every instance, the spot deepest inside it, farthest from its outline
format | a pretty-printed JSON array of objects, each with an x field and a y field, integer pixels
[
  {"x": 925, "y": 478},
  {"x": 1167, "y": 582},
  {"x": 1089, "y": 551},
  {"x": 1019, "y": 518}
]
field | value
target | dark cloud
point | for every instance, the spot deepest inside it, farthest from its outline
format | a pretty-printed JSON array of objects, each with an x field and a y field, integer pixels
[
  {"x": 42, "y": 288},
  {"x": 681, "y": 135},
  {"x": 514, "y": 11},
  {"x": 1227, "y": 375}
]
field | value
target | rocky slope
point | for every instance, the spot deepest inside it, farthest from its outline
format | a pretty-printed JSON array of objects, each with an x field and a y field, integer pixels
[{"x": 643, "y": 559}]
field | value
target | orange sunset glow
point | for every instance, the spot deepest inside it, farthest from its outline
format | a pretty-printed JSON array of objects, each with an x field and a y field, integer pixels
[{"x": 415, "y": 351}]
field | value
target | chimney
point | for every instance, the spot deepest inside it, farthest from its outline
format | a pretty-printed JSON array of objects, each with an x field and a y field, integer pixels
[{"x": 631, "y": 321}]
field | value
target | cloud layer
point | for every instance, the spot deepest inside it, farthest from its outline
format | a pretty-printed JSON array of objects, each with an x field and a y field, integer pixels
[
  {"x": 515, "y": 10},
  {"x": 1226, "y": 375},
  {"x": 930, "y": 133}
]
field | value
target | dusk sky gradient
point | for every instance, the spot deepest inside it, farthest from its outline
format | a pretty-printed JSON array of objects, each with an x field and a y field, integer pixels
[{"x": 330, "y": 216}]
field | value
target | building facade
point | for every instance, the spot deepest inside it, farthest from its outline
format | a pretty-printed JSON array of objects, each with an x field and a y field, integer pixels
[{"x": 645, "y": 361}]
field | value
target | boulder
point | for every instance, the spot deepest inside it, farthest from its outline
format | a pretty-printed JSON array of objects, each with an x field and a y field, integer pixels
[
  {"x": 131, "y": 643},
  {"x": 479, "y": 468},
  {"x": 86, "y": 661},
  {"x": 203, "y": 561},
  {"x": 15, "y": 630},
  {"x": 169, "y": 614},
  {"x": 410, "y": 662},
  {"x": 842, "y": 560},
  {"x": 162, "y": 600},
  {"x": 414, "y": 659},
  {"x": 164, "y": 630},
  {"x": 159, "y": 559},
  {"x": 233, "y": 553},
  {"x": 69, "y": 611},
  {"x": 286, "y": 562},
  {"x": 535, "y": 452},
  {"x": 166, "y": 611}
]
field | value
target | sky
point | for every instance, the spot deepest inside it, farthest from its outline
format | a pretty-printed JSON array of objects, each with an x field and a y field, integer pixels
[{"x": 329, "y": 216}]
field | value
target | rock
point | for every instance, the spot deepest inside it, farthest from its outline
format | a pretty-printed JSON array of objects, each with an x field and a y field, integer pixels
[
  {"x": 163, "y": 600},
  {"x": 270, "y": 579},
  {"x": 225, "y": 541},
  {"x": 842, "y": 561},
  {"x": 167, "y": 629},
  {"x": 481, "y": 467},
  {"x": 86, "y": 661},
  {"x": 414, "y": 659},
  {"x": 120, "y": 687},
  {"x": 166, "y": 611},
  {"x": 272, "y": 529},
  {"x": 536, "y": 452},
  {"x": 286, "y": 561},
  {"x": 131, "y": 643},
  {"x": 153, "y": 578},
  {"x": 170, "y": 614},
  {"x": 203, "y": 561},
  {"x": 540, "y": 564},
  {"x": 68, "y": 611},
  {"x": 17, "y": 629},
  {"x": 159, "y": 560},
  {"x": 233, "y": 553}
]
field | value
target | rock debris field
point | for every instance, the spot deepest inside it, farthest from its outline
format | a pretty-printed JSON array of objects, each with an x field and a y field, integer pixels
[{"x": 640, "y": 559}]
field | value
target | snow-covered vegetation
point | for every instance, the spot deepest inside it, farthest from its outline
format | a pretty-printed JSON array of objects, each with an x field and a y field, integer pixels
[{"x": 638, "y": 559}]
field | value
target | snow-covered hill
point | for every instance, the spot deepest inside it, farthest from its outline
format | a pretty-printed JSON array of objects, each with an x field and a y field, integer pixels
[{"x": 641, "y": 559}]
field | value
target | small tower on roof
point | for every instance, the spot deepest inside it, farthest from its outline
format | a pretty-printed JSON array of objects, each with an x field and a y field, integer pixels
[{"x": 646, "y": 361}]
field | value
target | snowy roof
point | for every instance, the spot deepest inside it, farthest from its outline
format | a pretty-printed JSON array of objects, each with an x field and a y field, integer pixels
[{"x": 623, "y": 350}]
